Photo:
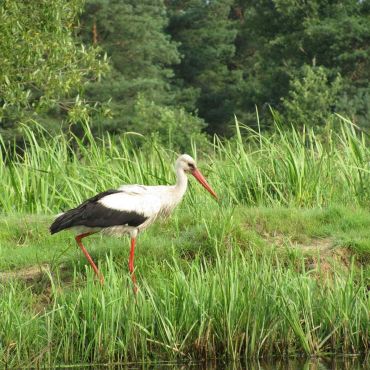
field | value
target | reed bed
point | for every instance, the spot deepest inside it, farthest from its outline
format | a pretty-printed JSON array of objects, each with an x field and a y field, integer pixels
[
  {"x": 287, "y": 167},
  {"x": 237, "y": 307},
  {"x": 236, "y": 299}
]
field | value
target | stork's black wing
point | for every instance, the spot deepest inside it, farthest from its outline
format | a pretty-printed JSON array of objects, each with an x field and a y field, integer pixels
[{"x": 92, "y": 213}]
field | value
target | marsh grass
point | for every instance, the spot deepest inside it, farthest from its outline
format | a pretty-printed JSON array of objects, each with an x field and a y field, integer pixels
[
  {"x": 214, "y": 287},
  {"x": 288, "y": 167},
  {"x": 238, "y": 279},
  {"x": 237, "y": 306}
]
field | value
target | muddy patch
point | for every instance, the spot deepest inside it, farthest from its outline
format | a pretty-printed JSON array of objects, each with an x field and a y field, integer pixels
[
  {"x": 28, "y": 274},
  {"x": 321, "y": 255},
  {"x": 306, "y": 244}
]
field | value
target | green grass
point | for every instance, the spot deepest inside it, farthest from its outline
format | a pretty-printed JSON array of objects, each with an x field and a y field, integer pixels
[
  {"x": 228, "y": 287},
  {"x": 305, "y": 231},
  {"x": 283, "y": 168},
  {"x": 280, "y": 267}
]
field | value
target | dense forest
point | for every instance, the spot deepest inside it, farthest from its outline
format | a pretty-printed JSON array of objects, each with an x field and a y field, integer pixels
[
  {"x": 105, "y": 94},
  {"x": 184, "y": 67}
]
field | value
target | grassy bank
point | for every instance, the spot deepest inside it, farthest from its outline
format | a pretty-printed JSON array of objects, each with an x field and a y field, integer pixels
[
  {"x": 262, "y": 282},
  {"x": 279, "y": 268}
]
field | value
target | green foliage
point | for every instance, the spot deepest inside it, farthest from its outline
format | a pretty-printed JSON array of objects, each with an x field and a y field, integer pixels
[
  {"x": 355, "y": 103},
  {"x": 287, "y": 168},
  {"x": 311, "y": 99},
  {"x": 276, "y": 39},
  {"x": 141, "y": 54},
  {"x": 42, "y": 66},
  {"x": 212, "y": 59},
  {"x": 206, "y": 38},
  {"x": 172, "y": 127}
]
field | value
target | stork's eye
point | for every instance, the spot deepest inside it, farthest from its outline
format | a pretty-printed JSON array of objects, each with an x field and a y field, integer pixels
[{"x": 191, "y": 166}]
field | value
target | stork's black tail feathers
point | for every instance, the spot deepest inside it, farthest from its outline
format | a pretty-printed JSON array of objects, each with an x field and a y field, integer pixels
[
  {"x": 64, "y": 221},
  {"x": 84, "y": 214}
]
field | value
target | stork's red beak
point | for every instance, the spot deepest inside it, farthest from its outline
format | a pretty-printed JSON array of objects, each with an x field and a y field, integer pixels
[{"x": 197, "y": 174}]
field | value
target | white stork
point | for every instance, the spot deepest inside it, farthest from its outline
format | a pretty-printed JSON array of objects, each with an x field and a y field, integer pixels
[{"x": 128, "y": 210}]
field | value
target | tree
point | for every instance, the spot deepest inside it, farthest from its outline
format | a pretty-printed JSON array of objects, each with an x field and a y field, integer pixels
[
  {"x": 277, "y": 38},
  {"x": 311, "y": 97},
  {"x": 206, "y": 35},
  {"x": 171, "y": 126},
  {"x": 42, "y": 66},
  {"x": 141, "y": 55}
]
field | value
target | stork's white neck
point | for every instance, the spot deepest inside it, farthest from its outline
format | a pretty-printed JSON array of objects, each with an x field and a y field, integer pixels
[{"x": 181, "y": 183}]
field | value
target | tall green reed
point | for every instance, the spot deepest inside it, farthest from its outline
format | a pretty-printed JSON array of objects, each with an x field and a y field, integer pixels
[
  {"x": 286, "y": 166},
  {"x": 240, "y": 306},
  {"x": 290, "y": 166}
]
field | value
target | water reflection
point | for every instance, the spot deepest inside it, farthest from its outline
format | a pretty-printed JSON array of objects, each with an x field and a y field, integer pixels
[{"x": 336, "y": 363}]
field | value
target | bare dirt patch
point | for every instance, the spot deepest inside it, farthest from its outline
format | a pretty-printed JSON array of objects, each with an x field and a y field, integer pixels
[
  {"x": 321, "y": 254},
  {"x": 322, "y": 245},
  {"x": 28, "y": 274}
]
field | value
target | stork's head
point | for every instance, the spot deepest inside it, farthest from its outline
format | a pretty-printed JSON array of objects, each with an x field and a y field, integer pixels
[{"x": 186, "y": 163}]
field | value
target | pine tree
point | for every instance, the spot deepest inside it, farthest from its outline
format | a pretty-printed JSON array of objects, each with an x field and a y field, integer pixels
[
  {"x": 277, "y": 38},
  {"x": 206, "y": 36},
  {"x": 141, "y": 55}
]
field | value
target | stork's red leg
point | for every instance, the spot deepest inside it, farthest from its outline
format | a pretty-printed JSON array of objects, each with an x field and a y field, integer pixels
[
  {"x": 131, "y": 263},
  {"x": 78, "y": 241}
]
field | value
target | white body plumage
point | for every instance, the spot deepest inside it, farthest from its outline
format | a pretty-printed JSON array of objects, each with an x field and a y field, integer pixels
[{"x": 129, "y": 209}]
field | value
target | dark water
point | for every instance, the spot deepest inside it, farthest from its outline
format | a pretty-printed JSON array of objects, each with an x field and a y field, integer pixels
[{"x": 337, "y": 363}]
